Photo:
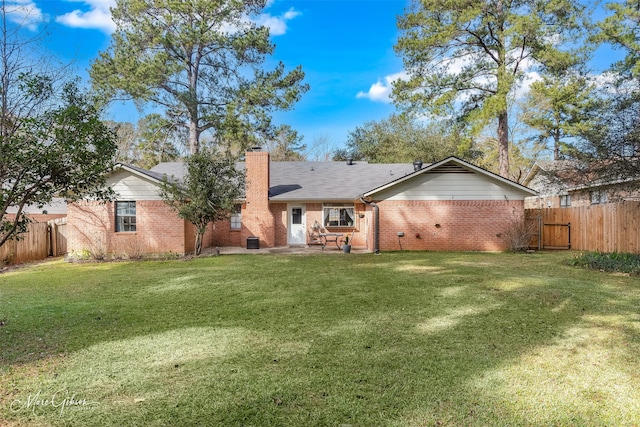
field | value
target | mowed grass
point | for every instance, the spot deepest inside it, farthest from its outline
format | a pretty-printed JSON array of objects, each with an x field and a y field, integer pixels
[{"x": 399, "y": 339}]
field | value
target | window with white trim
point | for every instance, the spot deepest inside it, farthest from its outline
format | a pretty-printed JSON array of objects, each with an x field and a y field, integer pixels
[
  {"x": 565, "y": 201},
  {"x": 339, "y": 215},
  {"x": 236, "y": 218},
  {"x": 125, "y": 216}
]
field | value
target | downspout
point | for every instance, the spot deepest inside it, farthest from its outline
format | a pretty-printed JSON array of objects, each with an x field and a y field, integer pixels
[{"x": 376, "y": 225}]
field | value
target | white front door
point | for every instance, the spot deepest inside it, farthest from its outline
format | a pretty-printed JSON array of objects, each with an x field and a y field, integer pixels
[{"x": 297, "y": 230}]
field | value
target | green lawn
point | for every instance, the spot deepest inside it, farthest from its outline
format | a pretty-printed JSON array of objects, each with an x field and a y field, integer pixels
[{"x": 399, "y": 339}]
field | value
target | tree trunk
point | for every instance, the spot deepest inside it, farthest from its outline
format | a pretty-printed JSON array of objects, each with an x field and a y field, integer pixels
[
  {"x": 200, "y": 230},
  {"x": 503, "y": 144},
  {"x": 503, "y": 89},
  {"x": 194, "y": 137},
  {"x": 198, "y": 243}
]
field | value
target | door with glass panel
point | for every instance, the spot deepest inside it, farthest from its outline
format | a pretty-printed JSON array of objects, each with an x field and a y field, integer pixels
[{"x": 297, "y": 230}]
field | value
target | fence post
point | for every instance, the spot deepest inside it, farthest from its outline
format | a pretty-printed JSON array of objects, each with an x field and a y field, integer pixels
[
  {"x": 54, "y": 239},
  {"x": 539, "y": 232}
]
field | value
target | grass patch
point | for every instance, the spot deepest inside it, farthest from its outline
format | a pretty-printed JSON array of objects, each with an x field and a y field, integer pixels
[
  {"x": 400, "y": 339},
  {"x": 610, "y": 262}
]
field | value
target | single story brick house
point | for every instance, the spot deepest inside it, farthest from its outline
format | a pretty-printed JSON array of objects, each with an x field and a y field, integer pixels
[{"x": 445, "y": 206}]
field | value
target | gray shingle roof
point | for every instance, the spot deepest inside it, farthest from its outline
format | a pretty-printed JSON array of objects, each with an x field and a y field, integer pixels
[
  {"x": 330, "y": 181},
  {"x": 150, "y": 173},
  {"x": 309, "y": 181}
]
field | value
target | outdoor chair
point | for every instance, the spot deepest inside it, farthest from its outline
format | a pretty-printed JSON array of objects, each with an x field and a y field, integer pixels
[{"x": 314, "y": 238}]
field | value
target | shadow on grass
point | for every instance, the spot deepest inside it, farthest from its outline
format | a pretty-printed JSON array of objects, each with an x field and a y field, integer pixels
[{"x": 400, "y": 339}]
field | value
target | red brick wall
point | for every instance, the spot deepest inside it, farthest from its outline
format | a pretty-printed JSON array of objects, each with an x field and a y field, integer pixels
[
  {"x": 220, "y": 234},
  {"x": 280, "y": 215},
  {"x": 91, "y": 227},
  {"x": 461, "y": 225}
]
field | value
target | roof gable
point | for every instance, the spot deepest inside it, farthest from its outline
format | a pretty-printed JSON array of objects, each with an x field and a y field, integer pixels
[
  {"x": 151, "y": 175},
  {"x": 131, "y": 183},
  {"x": 494, "y": 185}
]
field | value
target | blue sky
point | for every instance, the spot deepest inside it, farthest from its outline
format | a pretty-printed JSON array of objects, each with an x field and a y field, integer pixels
[{"x": 345, "y": 48}]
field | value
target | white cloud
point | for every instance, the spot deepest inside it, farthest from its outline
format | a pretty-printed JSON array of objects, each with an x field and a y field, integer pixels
[
  {"x": 277, "y": 24},
  {"x": 380, "y": 91},
  {"x": 606, "y": 82},
  {"x": 24, "y": 13},
  {"x": 98, "y": 16},
  {"x": 528, "y": 79}
]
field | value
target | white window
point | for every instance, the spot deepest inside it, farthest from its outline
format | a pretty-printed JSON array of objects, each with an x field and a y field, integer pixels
[
  {"x": 565, "y": 201},
  {"x": 236, "y": 218},
  {"x": 598, "y": 196},
  {"x": 339, "y": 215},
  {"x": 125, "y": 216}
]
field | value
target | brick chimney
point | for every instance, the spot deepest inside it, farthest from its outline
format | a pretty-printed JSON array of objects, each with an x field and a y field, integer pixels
[{"x": 257, "y": 219}]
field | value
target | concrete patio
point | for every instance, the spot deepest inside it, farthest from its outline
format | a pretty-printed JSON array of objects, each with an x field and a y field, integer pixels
[{"x": 294, "y": 249}]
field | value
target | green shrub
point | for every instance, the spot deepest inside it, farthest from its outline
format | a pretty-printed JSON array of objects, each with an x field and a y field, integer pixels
[{"x": 618, "y": 262}]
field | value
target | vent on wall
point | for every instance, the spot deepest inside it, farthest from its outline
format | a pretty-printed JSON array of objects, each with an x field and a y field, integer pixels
[{"x": 450, "y": 169}]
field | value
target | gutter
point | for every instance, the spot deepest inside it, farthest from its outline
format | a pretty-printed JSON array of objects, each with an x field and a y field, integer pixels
[{"x": 376, "y": 225}]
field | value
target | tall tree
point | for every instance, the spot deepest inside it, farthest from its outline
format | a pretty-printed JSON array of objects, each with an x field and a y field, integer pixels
[
  {"x": 202, "y": 61},
  {"x": 401, "y": 138},
  {"x": 609, "y": 151},
  {"x": 126, "y": 134},
  {"x": 286, "y": 145},
  {"x": 466, "y": 56},
  {"x": 156, "y": 142},
  {"x": 558, "y": 110},
  {"x": 621, "y": 30},
  {"x": 208, "y": 191},
  {"x": 153, "y": 140}
]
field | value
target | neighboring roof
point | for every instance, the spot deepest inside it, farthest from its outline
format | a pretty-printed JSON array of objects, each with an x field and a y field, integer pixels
[
  {"x": 57, "y": 206},
  {"x": 452, "y": 161},
  {"x": 562, "y": 168},
  {"x": 562, "y": 176}
]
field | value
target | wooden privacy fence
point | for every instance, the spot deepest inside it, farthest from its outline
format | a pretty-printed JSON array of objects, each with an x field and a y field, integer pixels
[
  {"x": 608, "y": 227},
  {"x": 43, "y": 239}
]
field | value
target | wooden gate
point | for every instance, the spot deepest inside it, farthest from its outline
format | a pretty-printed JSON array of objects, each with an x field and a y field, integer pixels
[
  {"x": 556, "y": 236},
  {"x": 58, "y": 237}
]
